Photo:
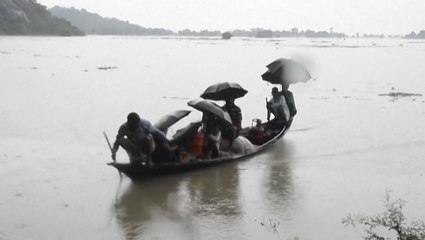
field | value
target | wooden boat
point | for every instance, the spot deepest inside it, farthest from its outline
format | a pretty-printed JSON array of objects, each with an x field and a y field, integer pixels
[{"x": 145, "y": 170}]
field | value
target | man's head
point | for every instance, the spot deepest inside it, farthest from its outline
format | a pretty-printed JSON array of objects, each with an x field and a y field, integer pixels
[
  {"x": 132, "y": 120},
  {"x": 230, "y": 101},
  {"x": 258, "y": 122},
  {"x": 275, "y": 91}
]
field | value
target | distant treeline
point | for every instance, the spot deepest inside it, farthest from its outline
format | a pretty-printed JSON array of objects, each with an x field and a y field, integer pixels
[
  {"x": 294, "y": 32},
  {"x": 265, "y": 33},
  {"x": 420, "y": 34},
  {"x": 92, "y": 23},
  {"x": 27, "y": 17}
]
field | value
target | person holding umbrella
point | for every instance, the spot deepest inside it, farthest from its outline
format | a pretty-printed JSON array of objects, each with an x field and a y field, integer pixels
[
  {"x": 289, "y": 98},
  {"x": 231, "y": 132},
  {"x": 228, "y": 91},
  {"x": 286, "y": 71},
  {"x": 214, "y": 117}
]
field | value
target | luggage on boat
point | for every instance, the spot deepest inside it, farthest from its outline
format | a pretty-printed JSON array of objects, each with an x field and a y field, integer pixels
[
  {"x": 198, "y": 144},
  {"x": 256, "y": 133}
]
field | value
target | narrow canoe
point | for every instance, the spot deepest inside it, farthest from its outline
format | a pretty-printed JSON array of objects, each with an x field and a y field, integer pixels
[{"x": 142, "y": 170}]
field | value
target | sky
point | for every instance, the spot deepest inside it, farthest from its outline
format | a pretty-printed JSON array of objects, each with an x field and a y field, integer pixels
[{"x": 349, "y": 16}]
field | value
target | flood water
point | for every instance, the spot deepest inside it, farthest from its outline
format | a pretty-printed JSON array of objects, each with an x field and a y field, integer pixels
[{"x": 359, "y": 132}]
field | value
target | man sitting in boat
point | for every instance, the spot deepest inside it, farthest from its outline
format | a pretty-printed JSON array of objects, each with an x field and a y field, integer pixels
[
  {"x": 134, "y": 136},
  {"x": 278, "y": 107}
]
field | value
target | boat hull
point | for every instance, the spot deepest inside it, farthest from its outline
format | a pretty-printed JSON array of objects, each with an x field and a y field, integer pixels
[{"x": 143, "y": 170}]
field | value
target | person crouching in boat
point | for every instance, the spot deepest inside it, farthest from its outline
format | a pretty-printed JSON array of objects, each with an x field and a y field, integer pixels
[
  {"x": 139, "y": 138},
  {"x": 134, "y": 136},
  {"x": 212, "y": 134}
]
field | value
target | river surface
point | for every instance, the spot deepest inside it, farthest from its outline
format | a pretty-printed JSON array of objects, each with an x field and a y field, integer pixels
[{"x": 359, "y": 133}]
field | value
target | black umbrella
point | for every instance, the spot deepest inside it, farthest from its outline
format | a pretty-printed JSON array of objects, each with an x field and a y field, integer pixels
[
  {"x": 223, "y": 91},
  {"x": 168, "y": 120},
  {"x": 285, "y": 71},
  {"x": 209, "y": 107}
]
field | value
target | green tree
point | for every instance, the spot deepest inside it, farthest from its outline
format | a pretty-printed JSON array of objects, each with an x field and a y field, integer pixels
[{"x": 392, "y": 220}]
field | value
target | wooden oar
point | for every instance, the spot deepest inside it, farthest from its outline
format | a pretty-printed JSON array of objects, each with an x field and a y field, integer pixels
[
  {"x": 268, "y": 110},
  {"x": 107, "y": 140},
  {"x": 110, "y": 147}
]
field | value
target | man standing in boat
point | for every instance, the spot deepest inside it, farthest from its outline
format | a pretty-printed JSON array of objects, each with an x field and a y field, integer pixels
[
  {"x": 134, "y": 136},
  {"x": 231, "y": 132},
  {"x": 289, "y": 98}
]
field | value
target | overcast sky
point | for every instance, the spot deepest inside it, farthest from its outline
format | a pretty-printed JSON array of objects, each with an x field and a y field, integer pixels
[{"x": 348, "y": 16}]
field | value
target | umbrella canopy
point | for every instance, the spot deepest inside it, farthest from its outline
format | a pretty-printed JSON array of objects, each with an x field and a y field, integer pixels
[
  {"x": 223, "y": 91},
  {"x": 168, "y": 120},
  {"x": 210, "y": 107},
  {"x": 287, "y": 71}
]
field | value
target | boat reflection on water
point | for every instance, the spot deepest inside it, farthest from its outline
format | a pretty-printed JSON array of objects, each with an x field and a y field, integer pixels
[
  {"x": 174, "y": 206},
  {"x": 217, "y": 192},
  {"x": 193, "y": 204},
  {"x": 278, "y": 179},
  {"x": 140, "y": 203},
  {"x": 267, "y": 192}
]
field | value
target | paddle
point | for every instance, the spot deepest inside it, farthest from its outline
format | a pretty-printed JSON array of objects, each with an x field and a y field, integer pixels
[
  {"x": 109, "y": 144},
  {"x": 268, "y": 110},
  {"x": 110, "y": 147}
]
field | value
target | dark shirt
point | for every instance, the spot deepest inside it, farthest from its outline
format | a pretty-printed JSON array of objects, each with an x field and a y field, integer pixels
[
  {"x": 235, "y": 114},
  {"x": 231, "y": 132},
  {"x": 137, "y": 136}
]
